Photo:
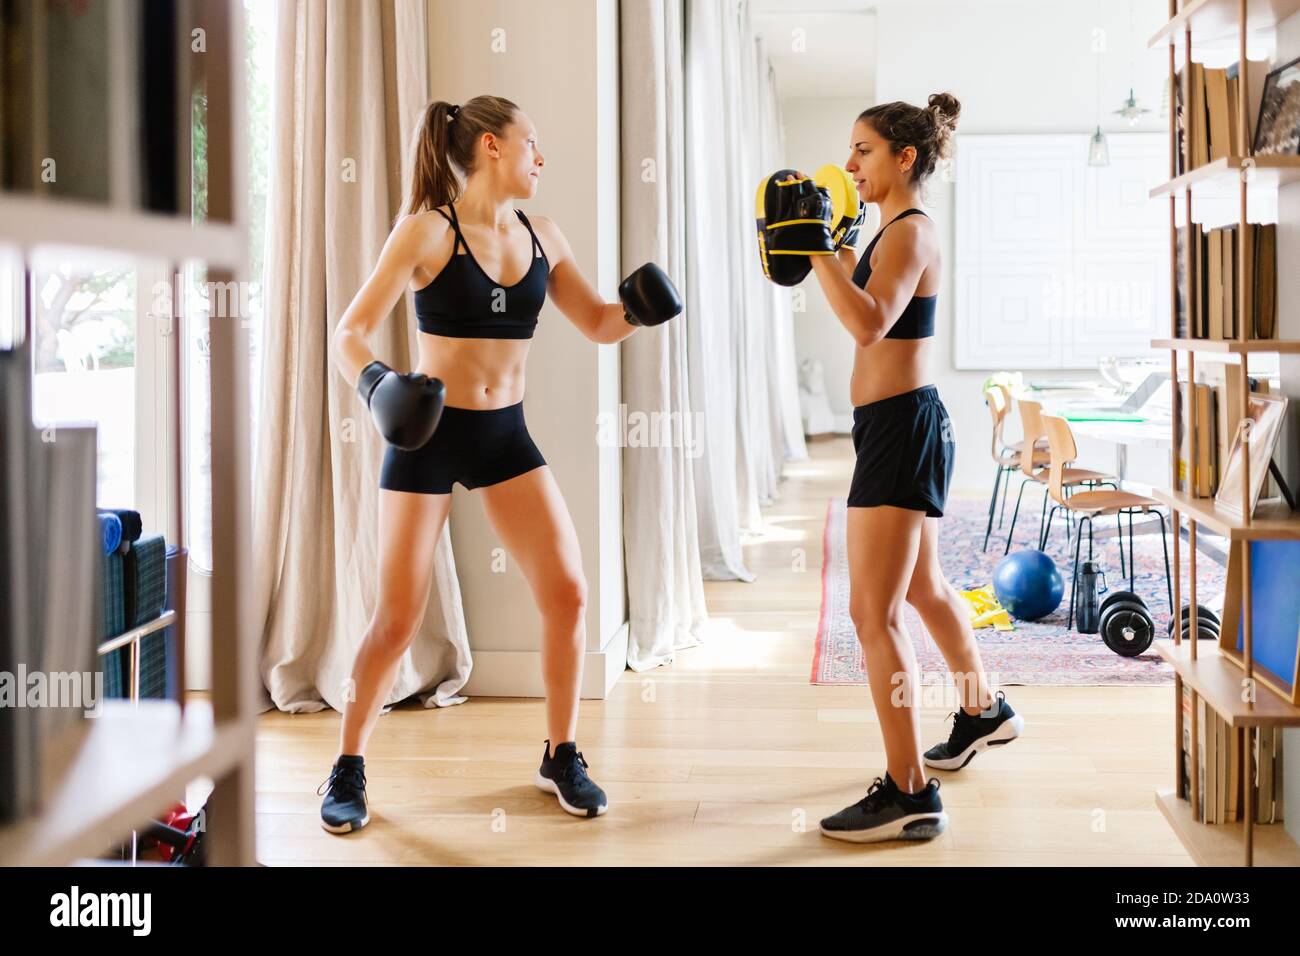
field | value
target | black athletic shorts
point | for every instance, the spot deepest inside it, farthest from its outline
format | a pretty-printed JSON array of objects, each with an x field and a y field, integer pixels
[
  {"x": 905, "y": 449},
  {"x": 476, "y": 447}
]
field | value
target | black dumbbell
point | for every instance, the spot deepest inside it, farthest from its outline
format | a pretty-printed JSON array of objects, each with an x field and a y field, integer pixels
[
  {"x": 1114, "y": 597},
  {"x": 1207, "y": 623},
  {"x": 1126, "y": 624}
]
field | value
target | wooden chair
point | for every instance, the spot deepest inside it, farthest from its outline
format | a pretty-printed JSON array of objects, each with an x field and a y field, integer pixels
[
  {"x": 1005, "y": 454},
  {"x": 1095, "y": 504},
  {"x": 1031, "y": 418}
]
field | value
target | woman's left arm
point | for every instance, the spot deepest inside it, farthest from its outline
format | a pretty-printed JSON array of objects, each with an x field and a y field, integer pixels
[
  {"x": 870, "y": 313},
  {"x": 577, "y": 298}
]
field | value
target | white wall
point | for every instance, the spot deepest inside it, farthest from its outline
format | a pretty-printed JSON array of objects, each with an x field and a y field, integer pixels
[{"x": 514, "y": 50}]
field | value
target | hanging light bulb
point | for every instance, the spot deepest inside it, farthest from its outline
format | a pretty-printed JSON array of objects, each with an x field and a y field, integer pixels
[
  {"x": 1098, "y": 151},
  {"x": 1131, "y": 111}
]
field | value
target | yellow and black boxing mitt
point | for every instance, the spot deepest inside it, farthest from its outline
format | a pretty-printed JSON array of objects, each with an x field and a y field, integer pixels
[
  {"x": 793, "y": 216},
  {"x": 847, "y": 210}
]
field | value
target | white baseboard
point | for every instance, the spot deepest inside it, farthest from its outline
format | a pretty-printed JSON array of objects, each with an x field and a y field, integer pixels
[{"x": 519, "y": 673}]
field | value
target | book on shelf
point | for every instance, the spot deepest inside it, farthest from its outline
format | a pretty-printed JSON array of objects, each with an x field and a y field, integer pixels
[
  {"x": 1182, "y": 240},
  {"x": 1215, "y": 400},
  {"x": 1264, "y": 312},
  {"x": 1207, "y": 275},
  {"x": 18, "y": 730},
  {"x": 1208, "y": 121},
  {"x": 1197, "y": 404},
  {"x": 1214, "y": 279},
  {"x": 1184, "y": 753},
  {"x": 65, "y": 143},
  {"x": 1216, "y": 111},
  {"x": 49, "y": 579},
  {"x": 1220, "y": 767}
]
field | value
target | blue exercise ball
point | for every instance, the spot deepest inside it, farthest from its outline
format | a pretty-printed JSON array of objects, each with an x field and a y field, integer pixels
[{"x": 1028, "y": 585}]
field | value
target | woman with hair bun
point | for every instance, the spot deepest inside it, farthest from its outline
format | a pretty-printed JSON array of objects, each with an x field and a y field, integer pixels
[{"x": 904, "y": 445}]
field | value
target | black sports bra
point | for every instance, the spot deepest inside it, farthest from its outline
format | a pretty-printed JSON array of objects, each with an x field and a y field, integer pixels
[
  {"x": 464, "y": 302},
  {"x": 917, "y": 320}
]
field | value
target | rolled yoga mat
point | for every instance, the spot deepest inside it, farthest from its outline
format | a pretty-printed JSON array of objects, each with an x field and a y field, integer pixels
[
  {"x": 110, "y": 532},
  {"x": 131, "y": 525}
]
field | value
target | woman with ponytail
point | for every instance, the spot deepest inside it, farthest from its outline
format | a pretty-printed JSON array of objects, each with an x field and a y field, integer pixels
[
  {"x": 903, "y": 440},
  {"x": 481, "y": 271}
]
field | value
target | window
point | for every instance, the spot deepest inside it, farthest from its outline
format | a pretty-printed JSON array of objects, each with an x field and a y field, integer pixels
[
  {"x": 259, "y": 23},
  {"x": 84, "y": 326}
]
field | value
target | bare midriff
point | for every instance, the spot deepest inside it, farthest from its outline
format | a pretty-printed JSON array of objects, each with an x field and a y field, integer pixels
[
  {"x": 478, "y": 373},
  {"x": 889, "y": 367}
]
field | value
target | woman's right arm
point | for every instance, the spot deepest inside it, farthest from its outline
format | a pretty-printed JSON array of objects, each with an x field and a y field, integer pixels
[{"x": 407, "y": 246}]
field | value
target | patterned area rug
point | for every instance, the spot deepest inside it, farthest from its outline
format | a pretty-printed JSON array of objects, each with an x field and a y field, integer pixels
[{"x": 1036, "y": 652}]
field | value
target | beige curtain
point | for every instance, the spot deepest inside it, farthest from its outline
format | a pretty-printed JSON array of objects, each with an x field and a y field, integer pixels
[
  {"x": 351, "y": 78},
  {"x": 665, "y": 587},
  {"x": 743, "y": 376}
]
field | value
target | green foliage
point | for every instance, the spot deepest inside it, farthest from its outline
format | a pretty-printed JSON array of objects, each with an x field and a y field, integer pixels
[
  {"x": 199, "y": 154},
  {"x": 1009, "y": 379}
]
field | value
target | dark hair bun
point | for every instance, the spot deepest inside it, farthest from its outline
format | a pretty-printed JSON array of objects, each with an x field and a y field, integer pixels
[
  {"x": 945, "y": 109},
  {"x": 927, "y": 129}
]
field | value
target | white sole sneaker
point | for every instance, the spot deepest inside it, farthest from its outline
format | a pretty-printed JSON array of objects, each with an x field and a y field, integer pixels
[
  {"x": 1011, "y": 729},
  {"x": 347, "y": 827},
  {"x": 549, "y": 786},
  {"x": 917, "y": 826}
]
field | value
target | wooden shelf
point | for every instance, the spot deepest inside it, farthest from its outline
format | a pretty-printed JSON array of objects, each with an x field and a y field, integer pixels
[
  {"x": 164, "y": 619},
  {"x": 1226, "y": 348},
  {"x": 135, "y": 761},
  {"x": 1273, "y": 520},
  {"x": 1221, "y": 176},
  {"x": 81, "y": 225},
  {"x": 1214, "y": 22},
  {"x": 1224, "y": 844},
  {"x": 1218, "y": 679}
]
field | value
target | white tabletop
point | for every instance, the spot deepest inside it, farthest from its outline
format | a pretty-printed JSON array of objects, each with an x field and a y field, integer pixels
[{"x": 1155, "y": 432}]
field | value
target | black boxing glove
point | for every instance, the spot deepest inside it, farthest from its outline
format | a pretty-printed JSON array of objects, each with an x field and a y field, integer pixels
[
  {"x": 406, "y": 408},
  {"x": 649, "y": 296}
]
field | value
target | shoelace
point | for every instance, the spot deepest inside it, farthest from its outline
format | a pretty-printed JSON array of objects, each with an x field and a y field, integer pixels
[
  {"x": 952, "y": 734},
  {"x": 575, "y": 770},
  {"x": 351, "y": 777},
  {"x": 966, "y": 717},
  {"x": 877, "y": 788}
]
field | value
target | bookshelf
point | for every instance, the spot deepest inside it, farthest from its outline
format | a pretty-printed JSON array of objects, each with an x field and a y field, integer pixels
[
  {"x": 1207, "y": 28},
  {"x": 1221, "y": 176},
  {"x": 138, "y": 755},
  {"x": 1225, "y": 347},
  {"x": 1220, "y": 24}
]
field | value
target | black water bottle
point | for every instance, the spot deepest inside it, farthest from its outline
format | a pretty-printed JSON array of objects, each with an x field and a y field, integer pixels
[{"x": 1086, "y": 613}]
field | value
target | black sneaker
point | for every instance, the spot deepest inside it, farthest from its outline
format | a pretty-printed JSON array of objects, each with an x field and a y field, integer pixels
[
  {"x": 886, "y": 813},
  {"x": 345, "y": 808},
  {"x": 970, "y": 735},
  {"x": 564, "y": 774}
]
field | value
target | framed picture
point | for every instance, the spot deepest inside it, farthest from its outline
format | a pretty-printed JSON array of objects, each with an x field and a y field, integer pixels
[
  {"x": 1266, "y": 415},
  {"x": 1278, "y": 131}
]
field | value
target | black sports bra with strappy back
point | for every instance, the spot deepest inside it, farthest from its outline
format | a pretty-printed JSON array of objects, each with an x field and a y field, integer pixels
[
  {"x": 917, "y": 320},
  {"x": 464, "y": 302}
]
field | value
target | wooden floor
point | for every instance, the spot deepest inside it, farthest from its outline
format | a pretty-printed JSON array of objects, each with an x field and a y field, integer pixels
[{"x": 731, "y": 756}]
